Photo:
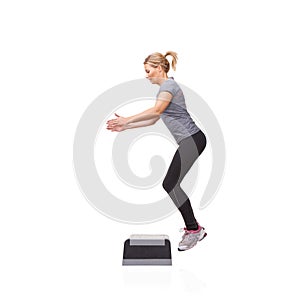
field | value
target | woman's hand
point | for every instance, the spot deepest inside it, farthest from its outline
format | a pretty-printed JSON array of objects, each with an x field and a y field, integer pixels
[
  {"x": 116, "y": 128},
  {"x": 117, "y": 124}
]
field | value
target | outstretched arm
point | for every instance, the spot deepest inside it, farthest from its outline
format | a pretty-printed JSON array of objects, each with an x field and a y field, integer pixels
[
  {"x": 145, "y": 118},
  {"x": 131, "y": 125}
]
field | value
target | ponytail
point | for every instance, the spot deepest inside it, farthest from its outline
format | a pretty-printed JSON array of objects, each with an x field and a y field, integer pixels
[{"x": 174, "y": 58}]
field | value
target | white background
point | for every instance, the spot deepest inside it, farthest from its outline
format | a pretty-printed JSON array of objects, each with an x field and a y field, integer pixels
[{"x": 242, "y": 57}]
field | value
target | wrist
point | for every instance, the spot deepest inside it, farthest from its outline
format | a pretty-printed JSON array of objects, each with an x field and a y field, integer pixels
[{"x": 127, "y": 121}]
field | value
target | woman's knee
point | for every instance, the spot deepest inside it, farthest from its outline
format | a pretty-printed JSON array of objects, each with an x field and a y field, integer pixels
[{"x": 168, "y": 185}]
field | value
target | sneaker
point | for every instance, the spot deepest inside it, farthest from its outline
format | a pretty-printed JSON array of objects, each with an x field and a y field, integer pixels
[{"x": 191, "y": 237}]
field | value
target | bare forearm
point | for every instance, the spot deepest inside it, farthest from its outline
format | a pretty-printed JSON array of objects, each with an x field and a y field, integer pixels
[
  {"x": 141, "y": 123},
  {"x": 149, "y": 114}
]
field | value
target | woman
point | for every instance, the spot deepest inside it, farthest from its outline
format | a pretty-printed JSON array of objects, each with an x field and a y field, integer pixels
[{"x": 171, "y": 108}]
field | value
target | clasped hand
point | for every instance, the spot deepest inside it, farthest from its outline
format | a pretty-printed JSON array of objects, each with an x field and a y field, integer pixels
[{"x": 117, "y": 124}]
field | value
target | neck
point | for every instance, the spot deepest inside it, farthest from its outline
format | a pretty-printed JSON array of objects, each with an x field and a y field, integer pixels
[{"x": 162, "y": 79}]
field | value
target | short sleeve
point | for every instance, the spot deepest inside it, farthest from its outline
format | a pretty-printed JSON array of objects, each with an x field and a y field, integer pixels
[{"x": 169, "y": 86}]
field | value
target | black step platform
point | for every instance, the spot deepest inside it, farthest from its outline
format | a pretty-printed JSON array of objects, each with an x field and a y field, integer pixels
[{"x": 147, "y": 249}]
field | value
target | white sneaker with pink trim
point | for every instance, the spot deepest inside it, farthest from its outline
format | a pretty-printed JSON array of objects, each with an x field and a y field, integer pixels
[{"x": 191, "y": 237}]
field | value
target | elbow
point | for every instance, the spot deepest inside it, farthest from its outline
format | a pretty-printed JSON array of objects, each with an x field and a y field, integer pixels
[{"x": 157, "y": 112}]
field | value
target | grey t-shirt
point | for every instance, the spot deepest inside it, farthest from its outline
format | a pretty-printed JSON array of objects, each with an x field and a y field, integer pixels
[{"x": 175, "y": 116}]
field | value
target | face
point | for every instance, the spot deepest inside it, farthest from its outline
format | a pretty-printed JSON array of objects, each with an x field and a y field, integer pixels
[{"x": 153, "y": 74}]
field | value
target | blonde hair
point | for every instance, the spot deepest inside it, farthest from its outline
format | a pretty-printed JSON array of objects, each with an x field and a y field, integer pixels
[{"x": 157, "y": 59}]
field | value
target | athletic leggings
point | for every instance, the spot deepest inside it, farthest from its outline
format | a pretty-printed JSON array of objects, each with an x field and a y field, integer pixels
[{"x": 188, "y": 151}]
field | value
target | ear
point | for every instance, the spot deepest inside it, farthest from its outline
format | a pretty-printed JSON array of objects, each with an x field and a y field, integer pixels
[{"x": 159, "y": 68}]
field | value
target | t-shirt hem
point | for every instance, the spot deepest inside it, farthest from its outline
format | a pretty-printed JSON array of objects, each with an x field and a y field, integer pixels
[{"x": 186, "y": 136}]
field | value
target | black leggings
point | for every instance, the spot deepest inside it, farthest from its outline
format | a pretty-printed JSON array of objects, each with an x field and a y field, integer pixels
[{"x": 188, "y": 151}]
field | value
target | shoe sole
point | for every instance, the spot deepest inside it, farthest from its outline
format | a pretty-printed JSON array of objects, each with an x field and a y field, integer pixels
[{"x": 205, "y": 234}]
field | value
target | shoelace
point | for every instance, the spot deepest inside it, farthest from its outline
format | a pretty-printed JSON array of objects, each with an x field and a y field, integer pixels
[{"x": 185, "y": 232}]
